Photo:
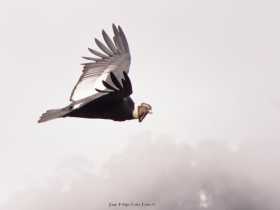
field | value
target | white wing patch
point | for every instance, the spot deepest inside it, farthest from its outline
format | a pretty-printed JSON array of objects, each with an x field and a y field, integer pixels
[
  {"x": 84, "y": 89},
  {"x": 87, "y": 87}
]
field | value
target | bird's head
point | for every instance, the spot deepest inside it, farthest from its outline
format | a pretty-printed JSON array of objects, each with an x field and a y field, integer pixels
[{"x": 141, "y": 111}]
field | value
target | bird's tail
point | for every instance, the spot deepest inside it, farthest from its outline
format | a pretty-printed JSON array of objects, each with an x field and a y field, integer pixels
[{"x": 54, "y": 113}]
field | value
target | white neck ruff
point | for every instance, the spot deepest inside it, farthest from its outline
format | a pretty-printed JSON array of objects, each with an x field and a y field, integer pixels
[{"x": 135, "y": 113}]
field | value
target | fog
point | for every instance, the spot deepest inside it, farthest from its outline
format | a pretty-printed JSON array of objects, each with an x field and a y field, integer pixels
[{"x": 165, "y": 175}]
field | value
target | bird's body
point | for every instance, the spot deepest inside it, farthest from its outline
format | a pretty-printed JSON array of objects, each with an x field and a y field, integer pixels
[
  {"x": 104, "y": 88},
  {"x": 118, "y": 111}
]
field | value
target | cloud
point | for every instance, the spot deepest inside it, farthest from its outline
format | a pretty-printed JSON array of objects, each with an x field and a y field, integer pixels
[{"x": 160, "y": 174}]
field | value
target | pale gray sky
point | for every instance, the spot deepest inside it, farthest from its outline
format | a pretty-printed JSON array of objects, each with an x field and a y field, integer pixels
[{"x": 210, "y": 70}]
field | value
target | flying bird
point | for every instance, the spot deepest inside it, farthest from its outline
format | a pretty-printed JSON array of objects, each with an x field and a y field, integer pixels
[{"x": 104, "y": 88}]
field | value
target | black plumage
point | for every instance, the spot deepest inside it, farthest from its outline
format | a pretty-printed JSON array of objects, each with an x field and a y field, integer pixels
[
  {"x": 106, "y": 109},
  {"x": 104, "y": 88},
  {"x": 115, "y": 105}
]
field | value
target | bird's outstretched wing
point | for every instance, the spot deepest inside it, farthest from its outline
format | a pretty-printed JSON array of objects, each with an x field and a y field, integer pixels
[{"x": 95, "y": 80}]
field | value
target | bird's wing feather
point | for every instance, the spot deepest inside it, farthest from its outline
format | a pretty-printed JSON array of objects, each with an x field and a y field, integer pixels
[
  {"x": 114, "y": 92},
  {"x": 113, "y": 57},
  {"x": 118, "y": 90}
]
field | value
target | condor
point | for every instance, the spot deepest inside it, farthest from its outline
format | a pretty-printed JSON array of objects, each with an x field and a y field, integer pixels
[{"x": 104, "y": 88}]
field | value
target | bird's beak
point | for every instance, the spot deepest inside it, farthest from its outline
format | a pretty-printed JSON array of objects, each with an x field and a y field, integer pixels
[{"x": 141, "y": 118}]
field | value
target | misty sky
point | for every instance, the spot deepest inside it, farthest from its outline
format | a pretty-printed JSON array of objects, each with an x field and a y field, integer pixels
[
  {"x": 186, "y": 179},
  {"x": 210, "y": 69}
]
